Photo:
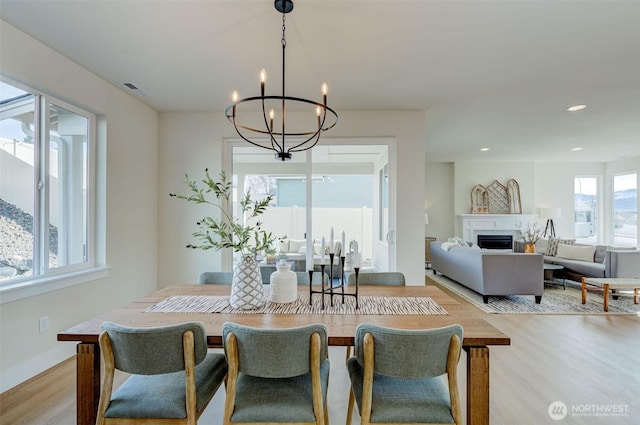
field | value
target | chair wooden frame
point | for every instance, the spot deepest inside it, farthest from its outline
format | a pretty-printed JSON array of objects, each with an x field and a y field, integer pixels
[
  {"x": 321, "y": 412},
  {"x": 367, "y": 386},
  {"x": 190, "y": 387}
]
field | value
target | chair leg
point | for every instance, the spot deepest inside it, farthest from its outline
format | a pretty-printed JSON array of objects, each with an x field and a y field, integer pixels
[
  {"x": 350, "y": 406},
  {"x": 326, "y": 414},
  {"x": 348, "y": 352}
]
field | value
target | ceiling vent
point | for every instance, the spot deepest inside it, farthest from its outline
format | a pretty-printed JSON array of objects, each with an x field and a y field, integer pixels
[{"x": 134, "y": 89}]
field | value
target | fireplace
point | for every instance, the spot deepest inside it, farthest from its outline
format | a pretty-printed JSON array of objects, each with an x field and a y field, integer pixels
[
  {"x": 473, "y": 225},
  {"x": 495, "y": 241}
]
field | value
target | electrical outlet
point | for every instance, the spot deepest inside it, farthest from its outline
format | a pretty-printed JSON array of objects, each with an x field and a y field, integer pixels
[{"x": 44, "y": 323}]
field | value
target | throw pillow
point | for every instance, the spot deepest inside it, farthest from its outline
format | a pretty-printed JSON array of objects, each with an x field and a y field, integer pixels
[
  {"x": 552, "y": 246},
  {"x": 283, "y": 246},
  {"x": 541, "y": 245},
  {"x": 295, "y": 244},
  {"x": 446, "y": 246},
  {"x": 457, "y": 241},
  {"x": 574, "y": 252}
]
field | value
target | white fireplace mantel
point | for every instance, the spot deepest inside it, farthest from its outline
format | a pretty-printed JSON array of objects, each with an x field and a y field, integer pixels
[{"x": 493, "y": 224}]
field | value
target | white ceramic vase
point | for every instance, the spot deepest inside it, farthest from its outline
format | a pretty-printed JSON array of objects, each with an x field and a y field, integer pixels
[
  {"x": 246, "y": 288},
  {"x": 283, "y": 285}
]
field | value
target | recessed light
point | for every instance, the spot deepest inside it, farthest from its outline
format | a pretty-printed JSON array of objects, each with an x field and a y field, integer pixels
[
  {"x": 484, "y": 149},
  {"x": 576, "y": 108},
  {"x": 576, "y": 149}
]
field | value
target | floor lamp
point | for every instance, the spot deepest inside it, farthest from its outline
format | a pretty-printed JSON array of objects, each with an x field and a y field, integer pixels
[{"x": 551, "y": 214}]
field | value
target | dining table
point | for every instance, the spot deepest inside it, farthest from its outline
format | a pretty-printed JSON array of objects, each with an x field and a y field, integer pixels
[{"x": 479, "y": 335}]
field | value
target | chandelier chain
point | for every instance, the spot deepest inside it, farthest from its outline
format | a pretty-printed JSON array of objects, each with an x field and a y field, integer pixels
[{"x": 284, "y": 40}]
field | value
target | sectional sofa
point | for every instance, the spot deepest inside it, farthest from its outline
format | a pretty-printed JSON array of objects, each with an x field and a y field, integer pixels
[
  {"x": 581, "y": 260},
  {"x": 490, "y": 272}
]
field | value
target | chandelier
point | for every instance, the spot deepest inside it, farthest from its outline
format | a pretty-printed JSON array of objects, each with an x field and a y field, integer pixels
[{"x": 281, "y": 138}]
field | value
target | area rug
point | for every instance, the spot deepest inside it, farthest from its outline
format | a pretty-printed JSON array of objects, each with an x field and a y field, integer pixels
[
  {"x": 366, "y": 305},
  {"x": 554, "y": 301}
]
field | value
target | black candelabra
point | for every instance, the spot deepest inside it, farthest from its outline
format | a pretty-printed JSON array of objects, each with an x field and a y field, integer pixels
[{"x": 330, "y": 289}]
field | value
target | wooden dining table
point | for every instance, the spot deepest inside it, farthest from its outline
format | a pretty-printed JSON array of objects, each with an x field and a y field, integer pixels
[{"x": 478, "y": 335}]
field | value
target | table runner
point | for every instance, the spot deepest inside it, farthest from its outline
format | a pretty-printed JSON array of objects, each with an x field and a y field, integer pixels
[{"x": 366, "y": 305}]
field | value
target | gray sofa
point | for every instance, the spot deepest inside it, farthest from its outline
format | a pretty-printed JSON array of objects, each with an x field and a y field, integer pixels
[
  {"x": 490, "y": 272},
  {"x": 607, "y": 261}
]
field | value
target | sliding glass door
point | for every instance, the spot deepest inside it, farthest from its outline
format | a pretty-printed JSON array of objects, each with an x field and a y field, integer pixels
[{"x": 348, "y": 187}]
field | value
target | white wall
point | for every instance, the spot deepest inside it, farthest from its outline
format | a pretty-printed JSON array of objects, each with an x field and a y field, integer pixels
[
  {"x": 440, "y": 200},
  {"x": 469, "y": 174},
  {"x": 191, "y": 142},
  {"x": 129, "y": 133}
]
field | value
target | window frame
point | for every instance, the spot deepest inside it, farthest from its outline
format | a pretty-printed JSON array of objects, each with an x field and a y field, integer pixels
[{"x": 43, "y": 278}]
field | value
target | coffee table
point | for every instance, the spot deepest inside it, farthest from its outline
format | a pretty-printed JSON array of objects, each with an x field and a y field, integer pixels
[
  {"x": 610, "y": 285},
  {"x": 549, "y": 270}
]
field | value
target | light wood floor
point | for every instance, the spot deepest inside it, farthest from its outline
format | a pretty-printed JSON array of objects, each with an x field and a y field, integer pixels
[{"x": 587, "y": 362}]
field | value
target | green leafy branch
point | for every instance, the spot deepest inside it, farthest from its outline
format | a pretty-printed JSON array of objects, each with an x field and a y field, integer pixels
[{"x": 227, "y": 231}]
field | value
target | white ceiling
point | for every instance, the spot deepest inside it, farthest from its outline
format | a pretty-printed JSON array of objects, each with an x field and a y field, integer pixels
[{"x": 497, "y": 74}]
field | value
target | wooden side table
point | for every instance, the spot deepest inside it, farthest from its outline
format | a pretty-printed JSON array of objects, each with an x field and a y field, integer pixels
[{"x": 427, "y": 251}]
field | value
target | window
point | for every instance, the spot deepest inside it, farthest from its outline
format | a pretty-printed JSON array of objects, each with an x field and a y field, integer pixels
[
  {"x": 585, "y": 209},
  {"x": 625, "y": 209},
  {"x": 46, "y": 187}
]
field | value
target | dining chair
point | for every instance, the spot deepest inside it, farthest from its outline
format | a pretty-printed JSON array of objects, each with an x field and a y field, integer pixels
[
  {"x": 276, "y": 375},
  {"x": 225, "y": 278},
  {"x": 397, "y": 375},
  {"x": 303, "y": 278},
  {"x": 375, "y": 278},
  {"x": 173, "y": 376}
]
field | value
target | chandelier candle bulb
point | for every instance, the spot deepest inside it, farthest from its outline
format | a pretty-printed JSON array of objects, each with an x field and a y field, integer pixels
[
  {"x": 325, "y": 90},
  {"x": 234, "y": 99},
  {"x": 263, "y": 79}
]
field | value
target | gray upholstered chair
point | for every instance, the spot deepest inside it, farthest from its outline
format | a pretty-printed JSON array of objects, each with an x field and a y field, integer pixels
[
  {"x": 276, "y": 375},
  {"x": 216, "y": 277},
  {"x": 405, "y": 382},
  {"x": 377, "y": 278},
  {"x": 173, "y": 377}
]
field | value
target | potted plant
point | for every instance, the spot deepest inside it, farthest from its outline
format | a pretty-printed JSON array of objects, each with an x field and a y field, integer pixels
[
  {"x": 244, "y": 235},
  {"x": 530, "y": 234}
]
